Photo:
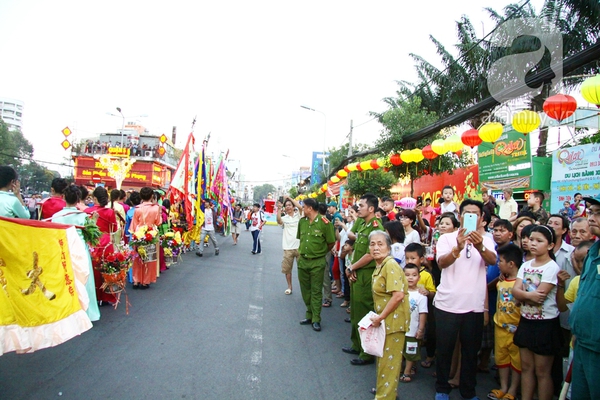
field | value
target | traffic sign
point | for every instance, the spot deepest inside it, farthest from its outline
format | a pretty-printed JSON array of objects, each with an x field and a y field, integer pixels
[
  {"x": 66, "y": 144},
  {"x": 66, "y": 131},
  {"x": 96, "y": 178}
]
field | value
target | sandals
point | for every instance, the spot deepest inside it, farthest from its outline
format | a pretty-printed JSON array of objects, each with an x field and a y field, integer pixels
[
  {"x": 500, "y": 395},
  {"x": 326, "y": 303},
  {"x": 288, "y": 291},
  {"x": 413, "y": 370},
  {"x": 426, "y": 363},
  {"x": 345, "y": 304},
  {"x": 405, "y": 378},
  {"x": 340, "y": 295}
]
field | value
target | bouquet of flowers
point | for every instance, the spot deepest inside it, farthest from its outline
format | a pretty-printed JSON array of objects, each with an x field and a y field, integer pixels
[
  {"x": 142, "y": 240},
  {"x": 171, "y": 243},
  {"x": 91, "y": 233},
  {"x": 113, "y": 267}
]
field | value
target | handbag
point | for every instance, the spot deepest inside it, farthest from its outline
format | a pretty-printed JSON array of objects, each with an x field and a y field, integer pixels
[{"x": 372, "y": 338}]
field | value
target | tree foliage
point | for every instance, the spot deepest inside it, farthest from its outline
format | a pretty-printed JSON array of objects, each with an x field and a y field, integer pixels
[
  {"x": 15, "y": 147},
  {"x": 35, "y": 178},
  {"x": 377, "y": 182},
  {"x": 262, "y": 191}
]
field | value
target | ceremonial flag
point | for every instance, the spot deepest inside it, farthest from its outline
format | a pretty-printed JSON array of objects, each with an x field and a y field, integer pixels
[
  {"x": 200, "y": 187},
  {"x": 183, "y": 179},
  {"x": 42, "y": 285}
]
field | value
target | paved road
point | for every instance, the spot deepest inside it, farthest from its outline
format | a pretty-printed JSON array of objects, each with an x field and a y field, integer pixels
[{"x": 211, "y": 328}]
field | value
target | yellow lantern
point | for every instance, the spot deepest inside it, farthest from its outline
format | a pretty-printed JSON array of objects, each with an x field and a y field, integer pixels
[
  {"x": 417, "y": 155},
  {"x": 438, "y": 146},
  {"x": 526, "y": 121},
  {"x": 491, "y": 132},
  {"x": 352, "y": 167},
  {"x": 381, "y": 161},
  {"x": 342, "y": 173},
  {"x": 324, "y": 187},
  {"x": 454, "y": 143},
  {"x": 365, "y": 165},
  {"x": 335, "y": 179},
  {"x": 406, "y": 156},
  {"x": 590, "y": 90}
]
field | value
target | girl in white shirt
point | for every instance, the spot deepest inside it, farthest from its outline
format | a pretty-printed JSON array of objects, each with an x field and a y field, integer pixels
[
  {"x": 408, "y": 218},
  {"x": 538, "y": 335}
]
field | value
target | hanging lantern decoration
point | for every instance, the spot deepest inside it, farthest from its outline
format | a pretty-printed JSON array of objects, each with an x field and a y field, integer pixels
[
  {"x": 454, "y": 143},
  {"x": 526, "y": 121},
  {"x": 366, "y": 165},
  {"x": 590, "y": 90},
  {"x": 381, "y": 162},
  {"x": 417, "y": 155},
  {"x": 342, "y": 173},
  {"x": 324, "y": 187},
  {"x": 395, "y": 159},
  {"x": 560, "y": 107},
  {"x": 471, "y": 138},
  {"x": 406, "y": 156},
  {"x": 358, "y": 167},
  {"x": 374, "y": 164},
  {"x": 334, "y": 179},
  {"x": 491, "y": 131},
  {"x": 428, "y": 152},
  {"x": 438, "y": 146},
  {"x": 351, "y": 167}
]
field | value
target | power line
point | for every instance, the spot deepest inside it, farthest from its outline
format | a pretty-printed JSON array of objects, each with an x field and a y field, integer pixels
[{"x": 36, "y": 161}]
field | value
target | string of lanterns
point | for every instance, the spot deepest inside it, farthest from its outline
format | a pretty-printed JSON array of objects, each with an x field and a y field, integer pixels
[{"x": 558, "y": 107}]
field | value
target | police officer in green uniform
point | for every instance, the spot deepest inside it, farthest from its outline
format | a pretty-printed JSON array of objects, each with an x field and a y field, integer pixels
[
  {"x": 317, "y": 237},
  {"x": 360, "y": 273}
]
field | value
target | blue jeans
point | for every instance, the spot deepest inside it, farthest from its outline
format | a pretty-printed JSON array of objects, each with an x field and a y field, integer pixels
[{"x": 256, "y": 241}]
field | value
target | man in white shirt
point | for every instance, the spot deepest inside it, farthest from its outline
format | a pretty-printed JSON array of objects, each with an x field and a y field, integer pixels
[
  {"x": 292, "y": 212},
  {"x": 508, "y": 207},
  {"x": 208, "y": 228}
]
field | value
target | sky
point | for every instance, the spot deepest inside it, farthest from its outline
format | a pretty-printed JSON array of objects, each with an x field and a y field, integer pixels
[{"x": 241, "y": 68}]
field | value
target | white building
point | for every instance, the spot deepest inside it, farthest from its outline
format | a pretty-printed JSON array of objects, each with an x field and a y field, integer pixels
[{"x": 11, "y": 111}]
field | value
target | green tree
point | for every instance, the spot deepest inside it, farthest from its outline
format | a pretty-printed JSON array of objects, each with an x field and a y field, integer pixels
[
  {"x": 261, "y": 191},
  {"x": 15, "y": 147},
  {"x": 377, "y": 182},
  {"x": 35, "y": 178},
  {"x": 403, "y": 118}
]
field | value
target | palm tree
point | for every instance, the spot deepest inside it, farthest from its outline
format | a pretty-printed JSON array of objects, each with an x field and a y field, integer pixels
[{"x": 462, "y": 81}]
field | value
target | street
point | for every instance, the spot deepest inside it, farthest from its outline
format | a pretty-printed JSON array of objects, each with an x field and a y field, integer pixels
[{"x": 216, "y": 327}]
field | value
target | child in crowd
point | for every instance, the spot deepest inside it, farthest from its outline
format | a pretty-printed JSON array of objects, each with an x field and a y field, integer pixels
[
  {"x": 418, "y": 319},
  {"x": 538, "y": 335},
  {"x": 396, "y": 232},
  {"x": 346, "y": 253},
  {"x": 449, "y": 205},
  {"x": 527, "y": 256},
  {"x": 506, "y": 321},
  {"x": 414, "y": 253}
]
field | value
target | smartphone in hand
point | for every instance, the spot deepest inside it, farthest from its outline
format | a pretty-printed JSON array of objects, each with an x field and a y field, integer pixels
[
  {"x": 470, "y": 222},
  {"x": 419, "y": 200}
]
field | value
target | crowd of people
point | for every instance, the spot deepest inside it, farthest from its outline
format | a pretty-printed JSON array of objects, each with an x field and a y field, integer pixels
[
  {"x": 137, "y": 150},
  {"x": 457, "y": 283},
  {"x": 117, "y": 214}
]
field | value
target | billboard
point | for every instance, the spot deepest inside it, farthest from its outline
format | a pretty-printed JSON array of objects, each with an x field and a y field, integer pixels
[
  {"x": 317, "y": 166},
  {"x": 508, "y": 157},
  {"x": 574, "y": 170}
]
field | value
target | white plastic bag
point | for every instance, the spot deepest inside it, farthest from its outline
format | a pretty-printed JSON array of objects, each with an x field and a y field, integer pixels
[{"x": 372, "y": 339}]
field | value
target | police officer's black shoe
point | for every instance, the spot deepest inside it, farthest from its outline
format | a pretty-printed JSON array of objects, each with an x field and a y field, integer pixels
[
  {"x": 350, "y": 350},
  {"x": 360, "y": 361},
  {"x": 317, "y": 327}
]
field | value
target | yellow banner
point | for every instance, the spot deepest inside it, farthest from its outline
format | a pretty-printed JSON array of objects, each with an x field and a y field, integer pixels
[{"x": 37, "y": 285}]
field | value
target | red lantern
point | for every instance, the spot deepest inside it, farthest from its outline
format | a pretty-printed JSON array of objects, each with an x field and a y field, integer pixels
[
  {"x": 358, "y": 167},
  {"x": 395, "y": 159},
  {"x": 428, "y": 152},
  {"x": 560, "y": 106},
  {"x": 471, "y": 138},
  {"x": 346, "y": 169},
  {"x": 338, "y": 176},
  {"x": 374, "y": 164},
  {"x": 386, "y": 169}
]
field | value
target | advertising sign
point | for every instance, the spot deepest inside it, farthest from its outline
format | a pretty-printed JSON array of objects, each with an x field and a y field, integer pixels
[
  {"x": 508, "y": 157},
  {"x": 316, "y": 166},
  {"x": 142, "y": 173},
  {"x": 574, "y": 170}
]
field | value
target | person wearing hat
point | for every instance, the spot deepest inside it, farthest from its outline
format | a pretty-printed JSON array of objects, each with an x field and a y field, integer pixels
[
  {"x": 586, "y": 359},
  {"x": 317, "y": 237}
]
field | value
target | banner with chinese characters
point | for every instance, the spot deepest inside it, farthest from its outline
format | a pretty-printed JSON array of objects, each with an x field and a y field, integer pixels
[
  {"x": 508, "y": 157},
  {"x": 41, "y": 273},
  {"x": 574, "y": 170}
]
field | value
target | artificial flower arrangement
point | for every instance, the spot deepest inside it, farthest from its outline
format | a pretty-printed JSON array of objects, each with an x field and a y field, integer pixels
[
  {"x": 171, "y": 243},
  {"x": 113, "y": 267},
  {"x": 144, "y": 236}
]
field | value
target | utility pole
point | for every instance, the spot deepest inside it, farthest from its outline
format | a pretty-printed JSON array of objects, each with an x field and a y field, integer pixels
[{"x": 350, "y": 140}]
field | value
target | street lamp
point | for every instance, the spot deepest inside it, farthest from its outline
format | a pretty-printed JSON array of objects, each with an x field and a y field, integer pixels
[
  {"x": 324, "y": 134},
  {"x": 123, "y": 124}
]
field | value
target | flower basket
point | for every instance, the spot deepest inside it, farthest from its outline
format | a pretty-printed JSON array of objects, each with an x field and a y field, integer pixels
[
  {"x": 114, "y": 282},
  {"x": 147, "y": 253}
]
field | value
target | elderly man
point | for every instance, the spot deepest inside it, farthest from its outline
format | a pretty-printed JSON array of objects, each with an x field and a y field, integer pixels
[
  {"x": 580, "y": 231},
  {"x": 508, "y": 207},
  {"x": 586, "y": 360},
  {"x": 317, "y": 237}
]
